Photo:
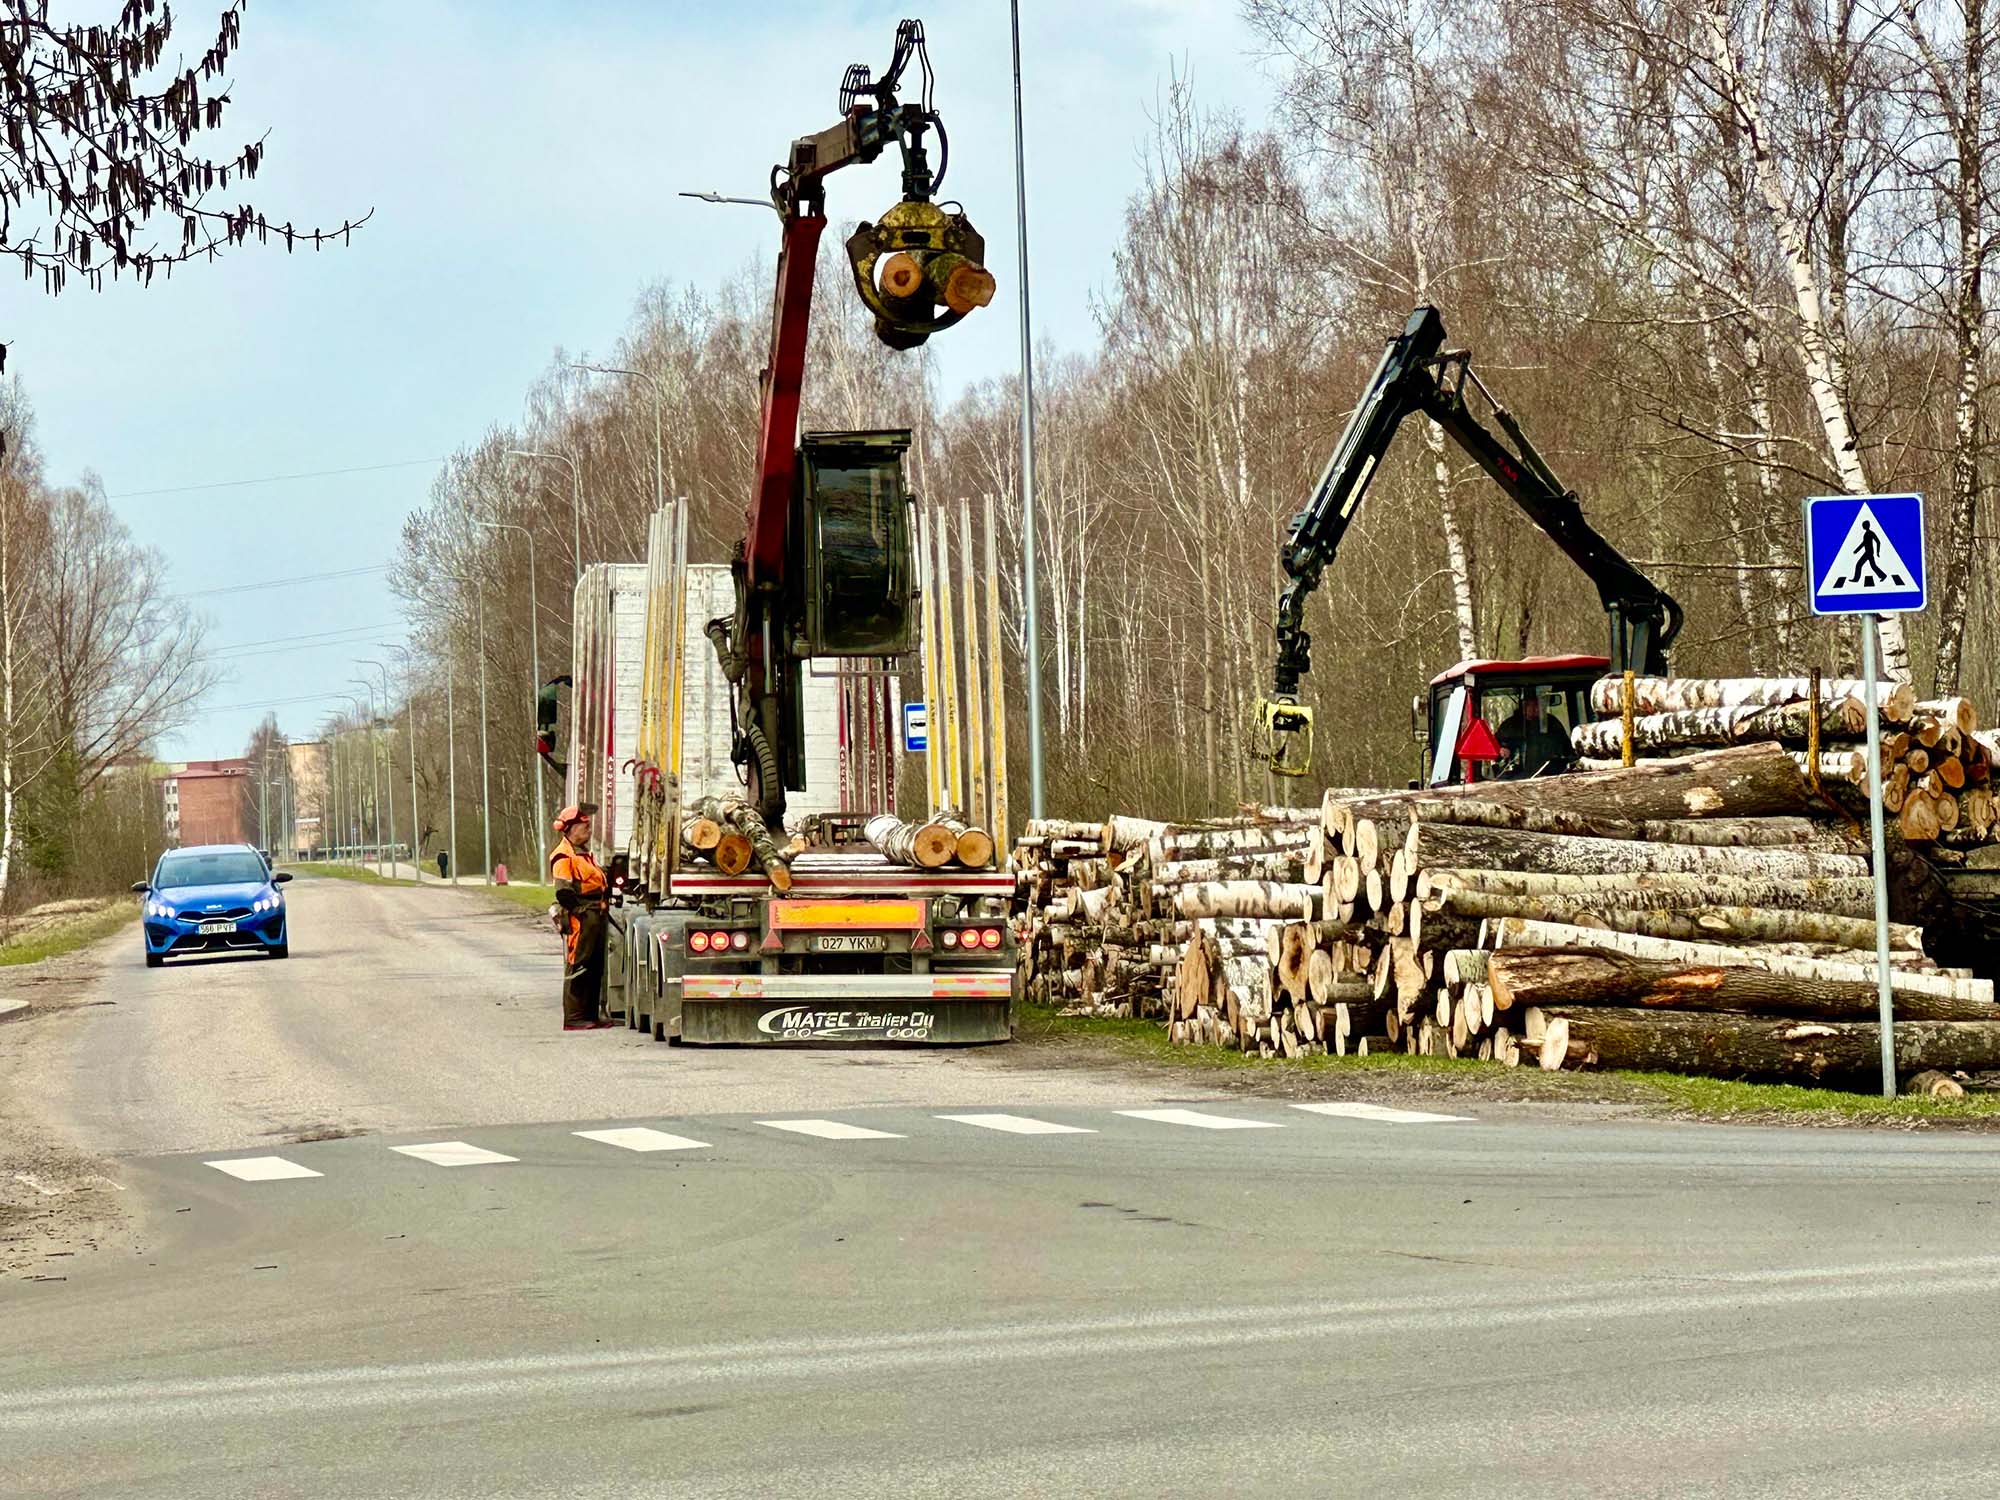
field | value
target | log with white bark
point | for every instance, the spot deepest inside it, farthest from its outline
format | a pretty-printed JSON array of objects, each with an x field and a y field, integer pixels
[
  {"x": 1445, "y": 845},
  {"x": 1739, "y": 1046},
  {"x": 1121, "y": 835},
  {"x": 1654, "y": 695},
  {"x": 1279, "y": 867},
  {"x": 1956, "y": 712},
  {"x": 1746, "y": 833},
  {"x": 1840, "y": 718},
  {"x": 1521, "y": 932},
  {"x": 1450, "y": 919},
  {"x": 1543, "y": 977},
  {"x": 1244, "y": 898},
  {"x": 926, "y": 846},
  {"x": 1850, "y": 895}
]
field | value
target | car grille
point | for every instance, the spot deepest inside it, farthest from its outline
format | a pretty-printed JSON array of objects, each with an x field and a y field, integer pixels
[{"x": 233, "y": 913}]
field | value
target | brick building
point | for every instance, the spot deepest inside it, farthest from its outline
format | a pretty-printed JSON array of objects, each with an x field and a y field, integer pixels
[{"x": 208, "y": 802}]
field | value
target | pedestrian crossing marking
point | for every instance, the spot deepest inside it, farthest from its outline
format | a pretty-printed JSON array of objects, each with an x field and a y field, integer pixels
[
  {"x": 1199, "y": 1120},
  {"x": 262, "y": 1168},
  {"x": 832, "y": 1130},
  {"x": 1867, "y": 562},
  {"x": 640, "y": 1138},
  {"x": 453, "y": 1154},
  {"x": 1383, "y": 1113},
  {"x": 1018, "y": 1125}
]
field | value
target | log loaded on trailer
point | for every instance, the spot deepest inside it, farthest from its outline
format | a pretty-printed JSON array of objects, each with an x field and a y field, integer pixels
[{"x": 711, "y": 702}]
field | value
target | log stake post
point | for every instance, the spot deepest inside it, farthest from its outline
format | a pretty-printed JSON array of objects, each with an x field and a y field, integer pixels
[
  {"x": 933, "y": 748},
  {"x": 948, "y": 721},
  {"x": 1878, "y": 845},
  {"x": 996, "y": 697},
  {"x": 1626, "y": 695},
  {"x": 976, "y": 808}
]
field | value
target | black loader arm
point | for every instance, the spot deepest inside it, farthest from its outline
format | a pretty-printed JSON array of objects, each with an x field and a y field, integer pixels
[{"x": 1417, "y": 375}]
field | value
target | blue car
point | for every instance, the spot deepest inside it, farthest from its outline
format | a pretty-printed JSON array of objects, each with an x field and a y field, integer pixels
[{"x": 214, "y": 898}]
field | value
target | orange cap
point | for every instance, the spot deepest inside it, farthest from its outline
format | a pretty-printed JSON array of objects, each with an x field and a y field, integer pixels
[{"x": 576, "y": 812}]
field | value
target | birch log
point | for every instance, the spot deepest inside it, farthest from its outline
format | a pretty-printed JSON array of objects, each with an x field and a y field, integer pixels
[
  {"x": 927, "y": 846},
  {"x": 1848, "y": 895},
  {"x": 1841, "y": 718},
  {"x": 1442, "y": 845},
  {"x": 1542, "y": 977},
  {"x": 1734, "y": 1046},
  {"x": 1655, "y": 695},
  {"x": 1450, "y": 919},
  {"x": 971, "y": 847},
  {"x": 1244, "y": 898},
  {"x": 1519, "y": 932}
]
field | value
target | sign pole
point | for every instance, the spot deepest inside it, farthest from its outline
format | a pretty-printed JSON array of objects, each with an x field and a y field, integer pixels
[{"x": 1878, "y": 842}]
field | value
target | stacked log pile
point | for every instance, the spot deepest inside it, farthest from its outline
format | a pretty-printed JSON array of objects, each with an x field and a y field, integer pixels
[
  {"x": 1937, "y": 767},
  {"x": 1683, "y": 914}
]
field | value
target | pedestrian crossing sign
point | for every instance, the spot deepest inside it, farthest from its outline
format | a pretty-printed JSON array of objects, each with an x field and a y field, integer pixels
[{"x": 1865, "y": 554}]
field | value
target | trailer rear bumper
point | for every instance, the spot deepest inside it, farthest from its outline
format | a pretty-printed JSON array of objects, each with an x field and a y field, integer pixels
[{"x": 797, "y": 1008}]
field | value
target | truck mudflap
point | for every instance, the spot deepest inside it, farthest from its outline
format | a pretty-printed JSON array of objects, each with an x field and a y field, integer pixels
[{"x": 798, "y": 1008}]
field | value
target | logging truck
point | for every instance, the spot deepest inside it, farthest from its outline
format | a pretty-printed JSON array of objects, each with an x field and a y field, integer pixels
[
  {"x": 1479, "y": 720},
  {"x": 767, "y": 688}
]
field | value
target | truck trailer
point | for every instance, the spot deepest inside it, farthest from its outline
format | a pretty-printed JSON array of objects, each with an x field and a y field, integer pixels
[{"x": 859, "y": 949}]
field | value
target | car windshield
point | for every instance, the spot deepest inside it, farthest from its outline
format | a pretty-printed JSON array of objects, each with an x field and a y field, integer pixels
[{"x": 225, "y": 868}]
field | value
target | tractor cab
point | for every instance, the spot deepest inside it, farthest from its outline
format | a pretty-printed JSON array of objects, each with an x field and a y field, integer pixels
[{"x": 1503, "y": 720}]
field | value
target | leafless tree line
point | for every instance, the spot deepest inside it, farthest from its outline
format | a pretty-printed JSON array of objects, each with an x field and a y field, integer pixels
[
  {"x": 97, "y": 662},
  {"x": 1716, "y": 255}
]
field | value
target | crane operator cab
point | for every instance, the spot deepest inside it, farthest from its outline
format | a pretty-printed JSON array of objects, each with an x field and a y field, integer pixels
[
  {"x": 852, "y": 529},
  {"x": 1503, "y": 720}
]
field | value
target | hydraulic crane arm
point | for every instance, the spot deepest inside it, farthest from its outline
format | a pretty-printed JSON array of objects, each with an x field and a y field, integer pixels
[{"x": 1417, "y": 375}]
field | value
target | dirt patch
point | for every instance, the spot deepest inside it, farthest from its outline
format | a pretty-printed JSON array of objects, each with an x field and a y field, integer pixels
[{"x": 56, "y": 1202}]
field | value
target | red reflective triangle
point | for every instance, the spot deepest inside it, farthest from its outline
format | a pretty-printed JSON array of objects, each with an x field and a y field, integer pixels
[{"x": 1477, "y": 743}]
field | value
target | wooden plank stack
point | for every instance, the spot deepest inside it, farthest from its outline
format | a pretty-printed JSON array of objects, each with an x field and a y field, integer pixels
[{"x": 1683, "y": 914}]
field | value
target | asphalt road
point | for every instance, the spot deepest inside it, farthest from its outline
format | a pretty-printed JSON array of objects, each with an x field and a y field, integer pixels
[{"x": 1138, "y": 1304}]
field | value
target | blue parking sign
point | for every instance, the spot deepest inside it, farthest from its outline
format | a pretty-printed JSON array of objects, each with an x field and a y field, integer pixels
[{"x": 1865, "y": 554}]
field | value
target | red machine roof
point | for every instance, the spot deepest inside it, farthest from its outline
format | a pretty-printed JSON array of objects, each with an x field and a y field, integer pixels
[{"x": 1527, "y": 666}]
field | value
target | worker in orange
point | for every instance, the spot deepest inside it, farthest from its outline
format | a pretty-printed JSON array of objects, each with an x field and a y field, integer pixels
[{"x": 583, "y": 898}]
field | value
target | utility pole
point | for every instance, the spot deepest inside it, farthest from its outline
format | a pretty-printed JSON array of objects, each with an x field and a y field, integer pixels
[
  {"x": 374, "y": 773},
  {"x": 1032, "y": 648},
  {"x": 410, "y": 732}
]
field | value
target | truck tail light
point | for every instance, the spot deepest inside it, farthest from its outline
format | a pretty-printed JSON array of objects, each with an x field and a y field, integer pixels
[
  {"x": 990, "y": 938},
  {"x": 697, "y": 942},
  {"x": 949, "y": 937},
  {"x": 739, "y": 940}
]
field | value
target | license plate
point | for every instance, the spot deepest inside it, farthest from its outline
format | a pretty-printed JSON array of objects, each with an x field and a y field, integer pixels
[
  {"x": 209, "y": 927},
  {"x": 850, "y": 942}
]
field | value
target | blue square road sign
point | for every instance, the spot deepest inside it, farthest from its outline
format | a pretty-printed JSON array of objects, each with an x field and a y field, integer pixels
[
  {"x": 916, "y": 727},
  {"x": 1865, "y": 554}
]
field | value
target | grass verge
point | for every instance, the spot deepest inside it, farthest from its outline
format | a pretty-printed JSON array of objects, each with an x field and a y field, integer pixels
[
  {"x": 361, "y": 873},
  {"x": 520, "y": 893},
  {"x": 65, "y": 934},
  {"x": 1670, "y": 1094}
]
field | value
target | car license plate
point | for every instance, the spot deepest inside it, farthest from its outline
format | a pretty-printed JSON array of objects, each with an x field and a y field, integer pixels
[
  {"x": 850, "y": 942},
  {"x": 210, "y": 927}
]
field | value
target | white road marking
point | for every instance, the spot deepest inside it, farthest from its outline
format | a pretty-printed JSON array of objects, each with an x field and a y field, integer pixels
[
  {"x": 1383, "y": 1113},
  {"x": 1196, "y": 1118},
  {"x": 640, "y": 1138},
  {"x": 262, "y": 1168},
  {"x": 832, "y": 1130},
  {"x": 1018, "y": 1125},
  {"x": 453, "y": 1154}
]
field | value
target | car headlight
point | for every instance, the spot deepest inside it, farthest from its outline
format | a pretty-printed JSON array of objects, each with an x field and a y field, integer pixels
[{"x": 158, "y": 909}]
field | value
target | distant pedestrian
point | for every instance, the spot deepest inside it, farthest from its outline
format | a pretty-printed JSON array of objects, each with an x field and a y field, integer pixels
[
  {"x": 583, "y": 899},
  {"x": 444, "y": 864}
]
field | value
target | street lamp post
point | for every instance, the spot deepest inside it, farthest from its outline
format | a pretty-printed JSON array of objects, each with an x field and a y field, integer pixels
[
  {"x": 374, "y": 770},
  {"x": 575, "y": 496},
  {"x": 534, "y": 661},
  {"x": 1028, "y": 610},
  {"x": 485, "y": 775},
  {"x": 659, "y": 401},
  {"x": 390, "y": 751},
  {"x": 410, "y": 702}
]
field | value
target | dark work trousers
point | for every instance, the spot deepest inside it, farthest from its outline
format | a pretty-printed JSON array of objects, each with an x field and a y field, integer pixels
[{"x": 583, "y": 975}]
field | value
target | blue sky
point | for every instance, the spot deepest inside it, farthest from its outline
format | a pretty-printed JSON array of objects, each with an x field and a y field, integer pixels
[{"x": 522, "y": 163}]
